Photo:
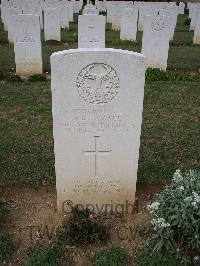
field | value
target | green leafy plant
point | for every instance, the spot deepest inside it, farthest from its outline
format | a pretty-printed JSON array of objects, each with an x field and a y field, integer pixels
[
  {"x": 4, "y": 209},
  {"x": 14, "y": 78},
  {"x": 175, "y": 214},
  {"x": 150, "y": 258},
  {"x": 115, "y": 256},
  {"x": 82, "y": 228},
  {"x": 6, "y": 248},
  {"x": 37, "y": 77},
  {"x": 44, "y": 256}
]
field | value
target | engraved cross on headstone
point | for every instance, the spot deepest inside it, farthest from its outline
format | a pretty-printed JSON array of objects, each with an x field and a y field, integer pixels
[{"x": 96, "y": 152}]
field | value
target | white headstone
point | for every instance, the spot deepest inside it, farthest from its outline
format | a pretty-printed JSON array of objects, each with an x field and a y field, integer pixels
[
  {"x": 109, "y": 11},
  {"x": 71, "y": 11},
  {"x": 91, "y": 31},
  {"x": 129, "y": 24},
  {"x": 33, "y": 8},
  {"x": 116, "y": 13},
  {"x": 155, "y": 41},
  {"x": 143, "y": 11},
  {"x": 100, "y": 6},
  {"x": 97, "y": 116},
  {"x": 172, "y": 13},
  {"x": 190, "y": 7},
  {"x": 4, "y": 16},
  {"x": 196, "y": 39},
  {"x": 193, "y": 18},
  {"x": 51, "y": 4},
  {"x": 181, "y": 8},
  {"x": 4, "y": 3},
  {"x": 27, "y": 45},
  {"x": 52, "y": 27},
  {"x": 11, "y": 11},
  {"x": 90, "y": 10},
  {"x": 64, "y": 16},
  {"x": 77, "y": 5}
]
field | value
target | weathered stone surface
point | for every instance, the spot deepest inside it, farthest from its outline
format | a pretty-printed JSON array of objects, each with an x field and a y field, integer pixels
[
  {"x": 155, "y": 41},
  {"x": 91, "y": 31},
  {"x": 52, "y": 27},
  {"x": 27, "y": 45},
  {"x": 129, "y": 24},
  {"x": 97, "y": 116}
]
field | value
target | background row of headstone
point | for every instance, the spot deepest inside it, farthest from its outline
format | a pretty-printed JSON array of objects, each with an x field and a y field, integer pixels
[{"x": 24, "y": 20}]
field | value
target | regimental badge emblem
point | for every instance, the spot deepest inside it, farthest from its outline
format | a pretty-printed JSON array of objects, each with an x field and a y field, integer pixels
[{"x": 98, "y": 83}]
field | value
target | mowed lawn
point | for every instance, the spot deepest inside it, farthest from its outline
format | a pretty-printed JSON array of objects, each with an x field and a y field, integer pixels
[
  {"x": 170, "y": 130},
  {"x": 183, "y": 54}
]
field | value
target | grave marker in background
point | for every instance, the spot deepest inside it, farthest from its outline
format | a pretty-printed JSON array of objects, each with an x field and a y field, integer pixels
[
  {"x": 91, "y": 31},
  {"x": 27, "y": 45},
  {"x": 129, "y": 24},
  {"x": 52, "y": 27},
  {"x": 155, "y": 41}
]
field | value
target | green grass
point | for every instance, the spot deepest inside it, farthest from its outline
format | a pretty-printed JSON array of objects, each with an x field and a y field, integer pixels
[
  {"x": 180, "y": 23},
  {"x": 7, "y": 58},
  {"x": 184, "y": 58},
  {"x": 6, "y": 249},
  {"x": 170, "y": 129},
  {"x": 149, "y": 258},
  {"x": 183, "y": 38},
  {"x": 183, "y": 55},
  {"x": 170, "y": 125},
  {"x": 113, "y": 257},
  {"x": 169, "y": 133},
  {"x": 26, "y": 153},
  {"x": 44, "y": 256}
]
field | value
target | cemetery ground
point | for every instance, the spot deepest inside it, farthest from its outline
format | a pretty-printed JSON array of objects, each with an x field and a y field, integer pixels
[{"x": 169, "y": 141}]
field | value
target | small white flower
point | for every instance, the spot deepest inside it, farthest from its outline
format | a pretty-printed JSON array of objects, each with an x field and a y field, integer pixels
[
  {"x": 153, "y": 206},
  {"x": 181, "y": 188},
  {"x": 177, "y": 177},
  {"x": 159, "y": 223},
  {"x": 194, "y": 204},
  {"x": 196, "y": 197},
  {"x": 188, "y": 199}
]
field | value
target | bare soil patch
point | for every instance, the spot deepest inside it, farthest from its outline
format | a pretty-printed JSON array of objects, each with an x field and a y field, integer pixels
[{"x": 34, "y": 219}]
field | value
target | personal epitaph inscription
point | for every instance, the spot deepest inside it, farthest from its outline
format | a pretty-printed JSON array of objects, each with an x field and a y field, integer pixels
[
  {"x": 97, "y": 115},
  {"x": 98, "y": 83}
]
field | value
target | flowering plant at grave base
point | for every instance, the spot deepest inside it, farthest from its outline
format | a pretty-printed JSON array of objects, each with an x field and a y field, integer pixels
[{"x": 175, "y": 214}]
